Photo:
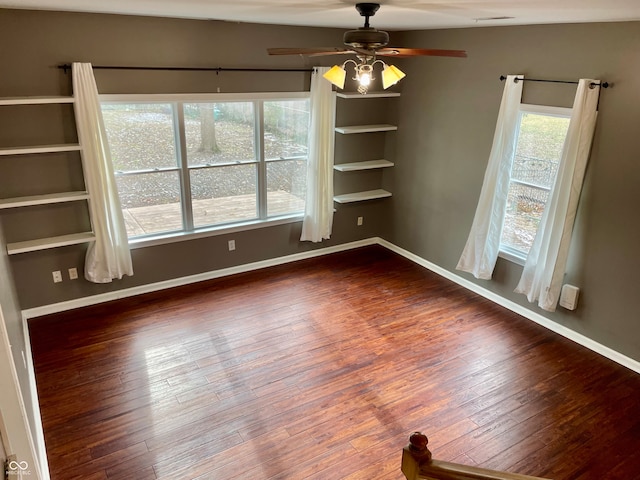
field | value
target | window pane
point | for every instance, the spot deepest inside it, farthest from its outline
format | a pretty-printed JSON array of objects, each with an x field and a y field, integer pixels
[
  {"x": 224, "y": 194},
  {"x": 150, "y": 202},
  {"x": 525, "y": 206},
  {"x": 286, "y": 127},
  {"x": 533, "y": 172},
  {"x": 224, "y": 156},
  {"x": 219, "y": 132},
  {"x": 141, "y": 136},
  {"x": 539, "y": 147},
  {"x": 286, "y": 187}
]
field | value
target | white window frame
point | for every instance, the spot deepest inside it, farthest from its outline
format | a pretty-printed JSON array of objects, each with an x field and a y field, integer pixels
[
  {"x": 509, "y": 253},
  {"x": 190, "y": 232}
]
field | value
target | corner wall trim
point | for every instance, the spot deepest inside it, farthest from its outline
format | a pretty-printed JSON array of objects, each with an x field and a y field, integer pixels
[{"x": 580, "y": 339}]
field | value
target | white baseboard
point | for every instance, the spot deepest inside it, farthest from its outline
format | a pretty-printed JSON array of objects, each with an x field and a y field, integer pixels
[
  {"x": 510, "y": 305},
  {"x": 177, "y": 282},
  {"x": 35, "y": 406},
  {"x": 130, "y": 292},
  {"x": 580, "y": 339}
]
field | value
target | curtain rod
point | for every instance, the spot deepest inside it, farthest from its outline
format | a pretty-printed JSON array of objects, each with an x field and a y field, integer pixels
[
  {"x": 592, "y": 85},
  {"x": 67, "y": 66}
]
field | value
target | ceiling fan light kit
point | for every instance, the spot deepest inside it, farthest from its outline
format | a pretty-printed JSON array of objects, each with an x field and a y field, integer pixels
[
  {"x": 366, "y": 42},
  {"x": 364, "y": 74}
]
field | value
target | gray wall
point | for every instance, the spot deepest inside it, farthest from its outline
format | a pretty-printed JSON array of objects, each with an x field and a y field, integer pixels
[
  {"x": 34, "y": 43},
  {"x": 447, "y": 117}
]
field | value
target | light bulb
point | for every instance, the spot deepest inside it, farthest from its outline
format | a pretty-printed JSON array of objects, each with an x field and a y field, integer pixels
[{"x": 365, "y": 79}]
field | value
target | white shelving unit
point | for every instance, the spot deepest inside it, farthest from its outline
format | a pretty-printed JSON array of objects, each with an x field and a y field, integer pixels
[
  {"x": 50, "y": 242},
  {"x": 361, "y": 196},
  {"x": 45, "y": 199},
  {"x": 366, "y": 165},
  {"x": 351, "y": 129},
  {"x": 34, "y": 100},
  {"x": 39, "y": 149},
  {"x": 356, "y": 95}
]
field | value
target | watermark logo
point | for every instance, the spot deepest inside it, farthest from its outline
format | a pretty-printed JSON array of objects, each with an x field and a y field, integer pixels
[{"x": 15, "y": 467}]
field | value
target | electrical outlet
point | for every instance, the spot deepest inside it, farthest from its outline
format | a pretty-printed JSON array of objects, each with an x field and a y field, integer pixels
[
  {"x": 57, "y": 276},
  {"x": 73, "y": 273},
  {"x": 232, "y": 245},
  {"x": 360, "y": 221}
]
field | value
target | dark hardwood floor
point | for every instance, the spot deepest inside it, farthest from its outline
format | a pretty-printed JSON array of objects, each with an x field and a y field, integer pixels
[{"x": 321, "y": 369}]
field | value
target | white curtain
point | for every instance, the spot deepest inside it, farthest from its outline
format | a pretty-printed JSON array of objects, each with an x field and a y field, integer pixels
[
  {"x": 108, "y": 257},
  {"x": 481, "y": 250},
  {"x": 545, "y": 266},
  {"x": 318, "y": 214}
]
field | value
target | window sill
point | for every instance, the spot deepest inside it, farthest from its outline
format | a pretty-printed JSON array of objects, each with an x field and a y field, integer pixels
[
  {"x": 174, "y": 237},
  {"x": 512, "y": 256}
]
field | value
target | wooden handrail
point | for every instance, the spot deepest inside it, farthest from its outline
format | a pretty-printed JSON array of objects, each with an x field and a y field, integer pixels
[{"x": 417, "y": 464}]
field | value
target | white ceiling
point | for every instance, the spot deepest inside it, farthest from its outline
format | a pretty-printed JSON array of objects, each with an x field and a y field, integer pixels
[{"x": 393, "y": 14}]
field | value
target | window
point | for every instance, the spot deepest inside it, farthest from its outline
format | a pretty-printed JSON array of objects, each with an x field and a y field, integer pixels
[
  {"x": 540, "y": 136},
  {"x": 191, "y": 163}
]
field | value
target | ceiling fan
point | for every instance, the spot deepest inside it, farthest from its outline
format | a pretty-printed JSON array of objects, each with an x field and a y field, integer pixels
[{"x": 366, "y": 43}]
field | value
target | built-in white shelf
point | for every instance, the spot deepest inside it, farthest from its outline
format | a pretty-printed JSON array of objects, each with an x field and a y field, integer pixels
[
  {"x": 34, "y": 100},
  {"x": 366, "y": 165},
  {"x": 45, "y": 199},
  {"x": 365, "y": 128},
  {"x": 42, "y": 199},
  {"x": 69, "y": 147},
  {"x": 361, "y": 196},
  {"x": 367, "y": 95},
  {"x": 51, "y": 242}
]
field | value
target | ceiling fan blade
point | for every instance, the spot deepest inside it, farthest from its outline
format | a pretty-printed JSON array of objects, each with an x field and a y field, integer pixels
[
  {"x": 414, "y": 52},
  {"x": 309, "y": 51}
]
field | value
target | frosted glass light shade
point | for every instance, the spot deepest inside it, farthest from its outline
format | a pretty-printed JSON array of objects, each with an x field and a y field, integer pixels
[
  {"x": 336, "y": 75},
  {"x": 391, "y": 75}
]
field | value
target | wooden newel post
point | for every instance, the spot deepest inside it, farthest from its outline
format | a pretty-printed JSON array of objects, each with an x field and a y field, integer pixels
[
  {"x": 418, "y": 447},
  {"x": 414, "y": 455}
]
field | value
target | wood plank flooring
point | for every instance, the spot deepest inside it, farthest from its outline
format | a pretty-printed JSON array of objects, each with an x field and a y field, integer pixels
[{"x": 320, "y": 370}]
